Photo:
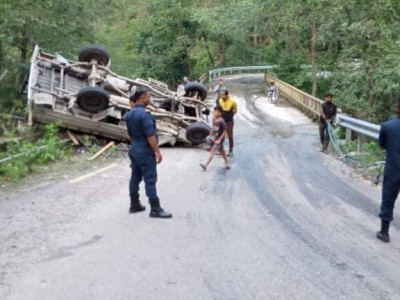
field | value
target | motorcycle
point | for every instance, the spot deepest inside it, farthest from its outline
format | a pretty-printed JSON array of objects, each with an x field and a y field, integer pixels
[{"x": 272, "y": 96}]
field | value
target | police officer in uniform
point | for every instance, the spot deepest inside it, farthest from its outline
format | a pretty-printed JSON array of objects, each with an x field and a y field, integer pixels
[
  {"x": 144, "y": 154},
  {"x": 389, "y": 139}
]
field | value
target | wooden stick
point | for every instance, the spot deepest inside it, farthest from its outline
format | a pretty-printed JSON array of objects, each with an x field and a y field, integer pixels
[
  {"x": 102, "y": 150},
  {"x": 73, "y": 138}
]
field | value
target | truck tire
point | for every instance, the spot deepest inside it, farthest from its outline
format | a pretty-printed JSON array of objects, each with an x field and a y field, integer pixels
[
  {"x": 196, "y": 133},
  {"x": 94, "y": 52},
  {"x": 93, "y": 99},
  {"x": 192, "y": 88}
]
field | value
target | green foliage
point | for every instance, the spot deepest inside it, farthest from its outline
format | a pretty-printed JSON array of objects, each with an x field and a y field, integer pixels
[
  {"x": 56, "y": 25},
  {"x": 50, "y": 147},
  {"x": 354, "y": 43},
  {"x": 366, "y": 160},
  {"x": 91, "y": 143}
]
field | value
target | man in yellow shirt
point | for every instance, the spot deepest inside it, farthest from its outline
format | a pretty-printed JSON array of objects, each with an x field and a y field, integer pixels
[{"x": 229, "y": 110}]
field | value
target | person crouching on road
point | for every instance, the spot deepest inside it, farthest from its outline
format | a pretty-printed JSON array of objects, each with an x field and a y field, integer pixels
[
  {"x": 144, "y": 154},
  {"x": 328, "y": 115},
  {"x": 217, "y": 138},
  {"x": 229, "y": 110},
  {"x": 389, "y": 139}
]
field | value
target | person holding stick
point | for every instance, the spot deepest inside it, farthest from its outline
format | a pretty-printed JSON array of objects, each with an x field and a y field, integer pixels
[{"x": 217, "y": 138}]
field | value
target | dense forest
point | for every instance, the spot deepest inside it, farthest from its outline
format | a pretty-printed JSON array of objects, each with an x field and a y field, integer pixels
[{"x": 348, "y": 47}]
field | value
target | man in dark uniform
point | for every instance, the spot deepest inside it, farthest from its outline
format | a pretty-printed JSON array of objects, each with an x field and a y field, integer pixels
[
  {"x": 144, "y": 154},
  {"x": 389, "y": 139},
  {"x": 328, "y": 115}
]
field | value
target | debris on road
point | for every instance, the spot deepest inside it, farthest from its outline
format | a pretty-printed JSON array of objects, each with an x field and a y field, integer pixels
[
  {"x": 102, "y": 150},
  {"x": 73, "y": 138}
]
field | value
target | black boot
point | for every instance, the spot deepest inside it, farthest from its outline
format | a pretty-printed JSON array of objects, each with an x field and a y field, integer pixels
[
  {"x": 136, "y": 206},
  {"x": 157, "y": 211},
  {"x": 383, "y": 235}
]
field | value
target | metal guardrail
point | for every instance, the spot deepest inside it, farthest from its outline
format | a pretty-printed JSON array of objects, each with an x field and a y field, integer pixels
[
  {"x": 212, "y": 74},
  {"x": 362, "y": 128}
]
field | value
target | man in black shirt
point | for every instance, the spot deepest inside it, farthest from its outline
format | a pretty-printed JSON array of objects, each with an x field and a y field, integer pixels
[
  {"x": 389, "y": 139},
  {"x": 328, "y": 115}
]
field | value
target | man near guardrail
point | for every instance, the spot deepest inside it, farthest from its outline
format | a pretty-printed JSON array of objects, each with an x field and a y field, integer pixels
[
  {"x": 389, "y": 139},
  {"x": 144, "y": 154},
  {"x": 328, "y": 115},
  {"x": 229, "y": 110},
  {"x": 218, "y": 90}
]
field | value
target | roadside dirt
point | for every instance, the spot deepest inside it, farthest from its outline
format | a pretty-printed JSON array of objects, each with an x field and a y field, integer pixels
[
  {"x": 54, "y": 172},
  {"x": 286, "y": 222}
]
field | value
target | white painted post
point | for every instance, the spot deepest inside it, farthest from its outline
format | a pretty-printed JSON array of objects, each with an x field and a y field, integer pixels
[
  {"x": 361, "y": 141},
  {"x": 348, "y": 134}
]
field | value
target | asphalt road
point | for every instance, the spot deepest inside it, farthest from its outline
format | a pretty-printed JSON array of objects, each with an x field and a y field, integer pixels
[{"x": 286, "y": 222}]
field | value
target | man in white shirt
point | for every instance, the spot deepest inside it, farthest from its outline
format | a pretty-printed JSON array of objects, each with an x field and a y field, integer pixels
[{"x": 218, "y": 90}]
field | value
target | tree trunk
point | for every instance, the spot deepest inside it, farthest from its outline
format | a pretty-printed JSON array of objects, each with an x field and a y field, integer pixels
[
  {"x": 221, "y": 53},
  {"x": 371, "y": 83},
  {"x": 314, "y": 57},
  {"x": 212, "y": 60},
  {"x": 23, "y": 49},
  {"x": 255, "y": 42}
]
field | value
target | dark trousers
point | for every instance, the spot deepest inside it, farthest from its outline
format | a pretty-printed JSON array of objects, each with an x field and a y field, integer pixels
[
  {"x": 390, "y": 192},
  {"x": 144, "y": 166},
  {"x": 324, "y": 135},
  {"x": 229, "y": 131}
]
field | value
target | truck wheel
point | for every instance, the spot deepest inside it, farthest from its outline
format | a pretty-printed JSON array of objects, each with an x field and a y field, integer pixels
[
  {"x": 194, "y": 87},
  {"x": 93, "y": 99},
  {"x": 94, "y": 52},
  {"x": 196, "y": 133}
]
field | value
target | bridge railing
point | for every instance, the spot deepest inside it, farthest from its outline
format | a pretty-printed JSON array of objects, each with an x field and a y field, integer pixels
[
  {"x": 213, "y": 74},
  {"x": 312, "y": 106},
  {"x": 309, "y": 104}
]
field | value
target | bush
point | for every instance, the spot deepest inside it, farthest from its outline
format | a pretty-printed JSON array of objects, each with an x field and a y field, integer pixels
[{"x": 29, "y": 156}]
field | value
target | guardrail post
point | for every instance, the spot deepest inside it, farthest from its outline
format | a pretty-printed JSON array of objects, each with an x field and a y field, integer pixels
[
  {"x": 361, "y": 141},
  {"x": 348, "y": 134}
]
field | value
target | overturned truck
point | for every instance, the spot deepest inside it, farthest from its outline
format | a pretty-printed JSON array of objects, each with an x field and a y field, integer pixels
[{"x": 86, "y": 96}]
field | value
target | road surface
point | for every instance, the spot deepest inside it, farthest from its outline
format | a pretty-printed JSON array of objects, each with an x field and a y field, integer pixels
[{"x": 286, "y": 222}]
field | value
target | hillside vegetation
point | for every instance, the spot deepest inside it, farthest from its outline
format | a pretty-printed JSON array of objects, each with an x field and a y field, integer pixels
[{"x": 348, "y": 47}]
